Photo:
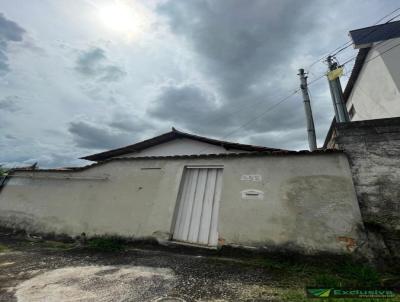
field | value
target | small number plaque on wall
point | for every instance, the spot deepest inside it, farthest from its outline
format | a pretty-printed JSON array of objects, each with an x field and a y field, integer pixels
[
  {"x": 253, "y": 177},
  {"x": 252, "y": 194}
]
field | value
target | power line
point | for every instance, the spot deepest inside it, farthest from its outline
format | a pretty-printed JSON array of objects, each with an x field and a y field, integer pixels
[
  {"x": 348, "y": 60},
  {"x": 270, "y": 108},
  {"x": 380, "y": 45},
  {"x": 296, "y": 91},
  {"x": 243, "y": 107},
  {"x": 264, "y": 112},
  {"x": 314, "y": 80},
  {"x": 258, "y": 116},
  {"x": 349, "y": 43},
  {"x": 378, "y": 55},
  {"x": 341, "y": 47},
  {"x": 366, "y": 35}
]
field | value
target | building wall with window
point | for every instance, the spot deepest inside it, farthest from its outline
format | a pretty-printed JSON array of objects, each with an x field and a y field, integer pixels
[
  {"x": 304, "y": 202},
  {"x": 376, "y": 92}
]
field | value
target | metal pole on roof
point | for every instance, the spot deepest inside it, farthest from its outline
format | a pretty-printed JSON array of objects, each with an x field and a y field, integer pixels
[
  {"x": 312, "y": 141},
  {"x": 341, "y": 114}
]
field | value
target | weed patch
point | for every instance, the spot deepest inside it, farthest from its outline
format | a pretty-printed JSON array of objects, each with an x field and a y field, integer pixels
[
  {"x": 3, "y": 248},
  {"x": 331, "y": 273},
  {"x": 105, "y": 244},
  {"x": 56, "y": 245},
  {"x": 294, "y": 275},
  {"x": 360, "y": 275}
]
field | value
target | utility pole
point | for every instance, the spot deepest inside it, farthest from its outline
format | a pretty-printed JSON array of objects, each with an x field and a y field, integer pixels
[
  {"x": 312, "y": 141},
  {"x": 341, "y": 114}
]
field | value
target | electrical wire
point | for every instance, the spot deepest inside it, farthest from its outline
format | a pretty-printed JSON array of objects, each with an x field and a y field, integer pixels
[
  {"x": 366, "y": 35},
  {"x": 263, "y": 113},
  {"x": 379, "y": 46},
  {"x": 380, "y": 54},
  {"x": 293, "y": 93},
  {"x": 348, "y": 60},
  {"x": 244, "y": 107},
  {"x": 258, "y": 116},
  {"x": 270, "y": 108},
  {"x": 341, "y": 47}
]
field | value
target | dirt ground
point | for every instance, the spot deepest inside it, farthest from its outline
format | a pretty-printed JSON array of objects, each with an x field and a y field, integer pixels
[
  {"x": 49, "y": 271},
  {"x": 42, "y": 270}
]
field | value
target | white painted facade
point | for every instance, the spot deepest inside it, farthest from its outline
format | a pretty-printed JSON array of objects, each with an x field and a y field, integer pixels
[
  {"x": 182, "y": 146},
  {"x": 302, "y": 202},
  {"x": 376, "y": 93}
]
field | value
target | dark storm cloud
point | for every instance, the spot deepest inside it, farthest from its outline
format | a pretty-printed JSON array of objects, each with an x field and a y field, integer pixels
[
  {"x": 9, "y": 104},
  {"x": 190, "y": 107},
  {"x": 90, "y": 136},
  {"x": 9, "y": 32},
  {"x": 194, "y": 109},
  {"x": 240, "y": 41},
  {"x": 94, "y": 63},
  {"x": 129, "y": 123},
  {"x": 245, "y": 49}
]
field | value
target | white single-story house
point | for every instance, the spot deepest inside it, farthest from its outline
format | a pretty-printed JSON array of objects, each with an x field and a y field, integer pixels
[{"x": 192, "y": 189}]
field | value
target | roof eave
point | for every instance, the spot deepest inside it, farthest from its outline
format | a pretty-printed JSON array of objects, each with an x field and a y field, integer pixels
[{"x": 170, "y": 136}]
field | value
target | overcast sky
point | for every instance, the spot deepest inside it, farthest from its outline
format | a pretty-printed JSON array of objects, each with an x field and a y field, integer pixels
[{"x": 83, "y": 76}]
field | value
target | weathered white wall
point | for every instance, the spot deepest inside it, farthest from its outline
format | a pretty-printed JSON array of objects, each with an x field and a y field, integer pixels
[
  {"x": 376, "y": 93},
  {"x": 182, "y": 146},
  {"x": 309, "y": 201}
]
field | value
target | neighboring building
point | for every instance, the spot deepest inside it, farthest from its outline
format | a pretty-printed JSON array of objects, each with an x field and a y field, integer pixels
[
  {"x": 372, "y": 139},
  {"x": 177, "y": 143},
  {"x": 373, "y": 89}
]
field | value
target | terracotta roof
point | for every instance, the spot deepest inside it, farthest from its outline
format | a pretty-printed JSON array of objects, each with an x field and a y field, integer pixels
[
  {"x": 169, "y": 136},
  {"x": 176, "y": 157}
]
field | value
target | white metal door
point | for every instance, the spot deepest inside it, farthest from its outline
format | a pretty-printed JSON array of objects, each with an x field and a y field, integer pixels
[{"x": 198, "y": 206}]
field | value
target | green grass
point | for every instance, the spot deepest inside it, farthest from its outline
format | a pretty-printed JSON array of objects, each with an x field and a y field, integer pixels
[
  {"x": 294, "y": 294},
  {"x": 3, "y": 248},
  {"x": 57, "y": 245},
  {"x": 326, "y": 273},
  {"x": 293, "y": 275},
  {"x": 298, "y": 295},
  {"x": 359, "y": 275},
  {"x": 105, "y": 244}
]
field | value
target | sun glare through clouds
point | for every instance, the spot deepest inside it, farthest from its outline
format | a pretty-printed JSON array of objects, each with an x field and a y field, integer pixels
[{"x": 127, "y": 18}]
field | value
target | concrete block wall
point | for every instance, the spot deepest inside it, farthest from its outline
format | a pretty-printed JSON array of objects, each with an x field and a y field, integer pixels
[{"x": 373, "y": 149}]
